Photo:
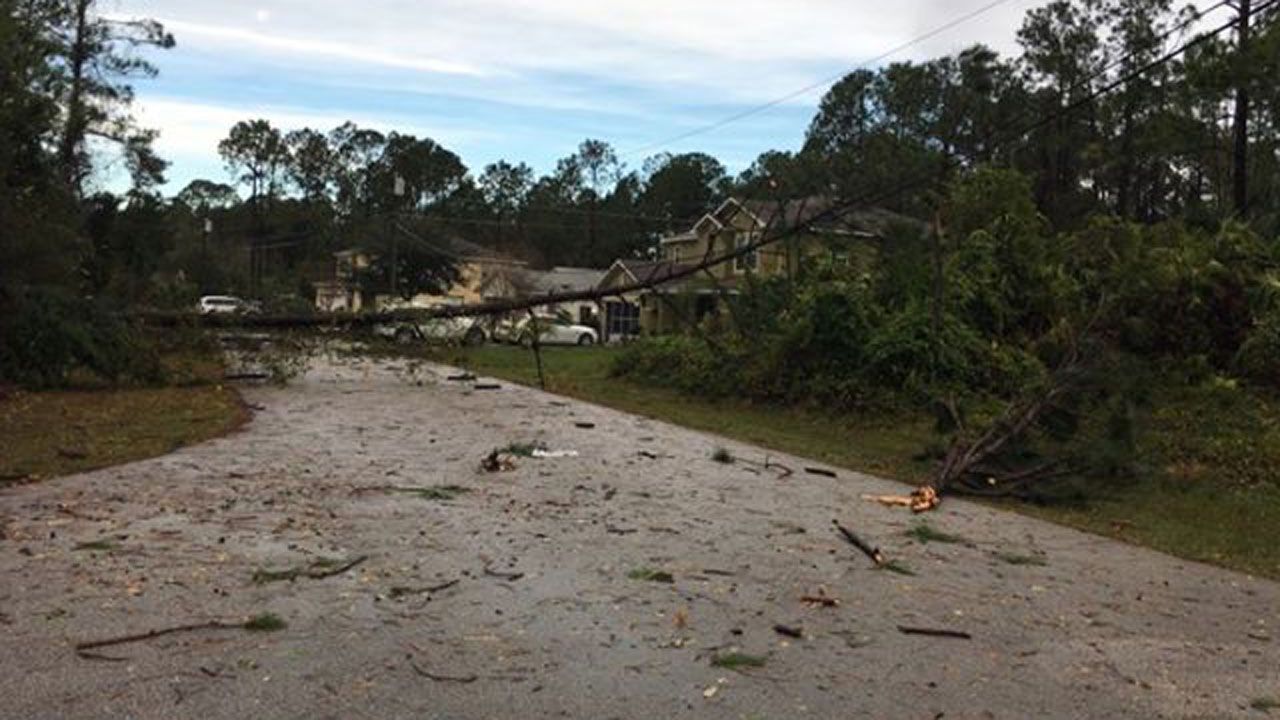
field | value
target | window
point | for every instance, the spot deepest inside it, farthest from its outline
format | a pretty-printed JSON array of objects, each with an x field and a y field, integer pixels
[{"x": 750, "y": 261}]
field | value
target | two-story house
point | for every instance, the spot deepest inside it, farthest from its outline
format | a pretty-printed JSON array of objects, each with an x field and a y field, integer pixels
[{"x": 811, "y": 228}]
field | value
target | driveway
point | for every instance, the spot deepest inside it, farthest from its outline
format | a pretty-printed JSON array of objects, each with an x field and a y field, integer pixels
[{"x": 541, "y": 593}]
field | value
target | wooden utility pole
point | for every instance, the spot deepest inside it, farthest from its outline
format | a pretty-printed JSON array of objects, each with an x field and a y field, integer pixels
[{"x": 1240, "y": 155}]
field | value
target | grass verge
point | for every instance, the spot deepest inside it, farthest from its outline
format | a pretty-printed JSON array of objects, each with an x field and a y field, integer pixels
[
  {"x": 47, "y": 434},
  {"x": 1203, "y": 495}
]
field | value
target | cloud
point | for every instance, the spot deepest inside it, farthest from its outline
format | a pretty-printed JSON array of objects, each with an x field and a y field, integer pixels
[{"x": 195, "y": 128}]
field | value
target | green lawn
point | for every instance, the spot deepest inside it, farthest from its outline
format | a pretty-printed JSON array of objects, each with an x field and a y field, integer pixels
[{"x": 1208, "y": 492}]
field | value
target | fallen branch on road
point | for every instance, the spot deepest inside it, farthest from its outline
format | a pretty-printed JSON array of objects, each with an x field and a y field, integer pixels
[
  {"x": 874, "y": 553},
  {"x": 957, "y": 634}
]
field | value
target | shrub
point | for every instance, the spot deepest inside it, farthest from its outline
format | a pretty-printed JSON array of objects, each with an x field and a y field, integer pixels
[{"x": 49, "y": 334}]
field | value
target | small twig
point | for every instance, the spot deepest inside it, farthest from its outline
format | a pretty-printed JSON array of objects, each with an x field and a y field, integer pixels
[
  {"x": 402, "y": 591},
  {"x": 151, "y": 634},
  {"x": 504, "y": 576},
  {"x": 957, "y": 634},
  {"x": 822, "y": 600},
  {"x": 874, "y": 553},
  {"x": 820, "y": 471},
  {"x": 464, "y": 679},
  {"x": 322, "y": 574},
  {"x": 486, "y": 386}
]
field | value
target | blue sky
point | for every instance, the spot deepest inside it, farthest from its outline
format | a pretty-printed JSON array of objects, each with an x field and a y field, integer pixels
[{"x": 524, "y": 80}]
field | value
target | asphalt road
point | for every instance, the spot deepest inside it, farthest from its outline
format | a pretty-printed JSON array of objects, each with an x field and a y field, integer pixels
[{"x": 541, "y": 607}]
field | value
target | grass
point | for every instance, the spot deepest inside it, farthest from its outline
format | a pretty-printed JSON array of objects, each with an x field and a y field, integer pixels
[
  {"x": 1265, "y": 704},
  {"x": 897, "y": 567},
  {"x": 266, "y": 622},
  {"x": 650, "y": 575},
  {"x": 1206, "y": 492},
  {"x": 48, "y": 434},
  {"x": 738, "y": 661},
  {"x": 924, "y": 533}
]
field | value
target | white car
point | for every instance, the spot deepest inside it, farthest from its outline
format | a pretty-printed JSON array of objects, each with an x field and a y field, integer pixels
[
  {"x": 223, "y": 305},
  {"x": 459, "y": 330},
  {"x": 553, "y": 330}
]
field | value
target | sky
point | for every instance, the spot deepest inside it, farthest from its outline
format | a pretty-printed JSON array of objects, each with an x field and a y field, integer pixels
[{"x": 526, "y": 80}]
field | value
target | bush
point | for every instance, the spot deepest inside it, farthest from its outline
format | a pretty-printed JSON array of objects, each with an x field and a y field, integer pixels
[
  {"x": 50, "y": 334},
  {"x": 1259, "y": 356}
]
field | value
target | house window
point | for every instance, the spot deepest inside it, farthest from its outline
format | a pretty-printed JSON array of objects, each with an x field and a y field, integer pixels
[
  {"x": 750, "y": 261},
  {"x": 622, "y": 319}
]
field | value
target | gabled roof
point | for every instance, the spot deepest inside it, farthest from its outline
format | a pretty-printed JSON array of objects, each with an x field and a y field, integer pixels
[{"x": 563, "y": 279}]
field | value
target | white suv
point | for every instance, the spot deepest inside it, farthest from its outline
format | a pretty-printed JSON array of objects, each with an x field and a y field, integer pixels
[{"x": 222, "y": 304}]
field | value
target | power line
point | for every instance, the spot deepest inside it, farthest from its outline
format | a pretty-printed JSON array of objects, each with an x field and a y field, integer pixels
[{"x": 821, "y": 83}]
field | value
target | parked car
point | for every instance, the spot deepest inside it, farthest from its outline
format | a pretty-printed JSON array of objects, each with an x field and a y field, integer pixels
[
  {"x": 459, "y": 330},
  {"x": 224, "y": 305},
  {"x": 555, "y": 330}
]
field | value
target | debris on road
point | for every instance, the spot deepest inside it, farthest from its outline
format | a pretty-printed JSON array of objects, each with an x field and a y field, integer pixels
[
  {"x": 542, "y": 454},
  {"x": 486, "y": 386},
  {"x": 821, "y": 599},
  {"x": 317, "y": 570},
  {"x": 503, "y": 575},
  {"x": 920, "y": 500},
  {"x": 585, "y": 425},
  {"x": 266, "y": 622},
  {"x": 874, "y": 553},
  {"x": 401, "y": 591},
  {"x": 791, "y": 632},
  {"x": 464, "y": 377},
  {"x": 464, "y": 679},
  {"x": 957, "y": 634},
  {"x": 820, "y": 471},
  {"x": 498, "y": 461}
]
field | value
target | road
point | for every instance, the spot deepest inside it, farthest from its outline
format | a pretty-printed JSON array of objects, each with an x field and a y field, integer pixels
[{"x": 549, "y": 596}]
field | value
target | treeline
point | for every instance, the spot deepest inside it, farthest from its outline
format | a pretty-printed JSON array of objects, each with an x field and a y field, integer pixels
[{"x": 1170, "y": 143}]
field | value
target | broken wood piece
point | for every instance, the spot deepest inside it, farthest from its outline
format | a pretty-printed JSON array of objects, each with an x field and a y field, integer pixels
[
  {"x": 820, "y": 471},
  {"x": 821, "y": 600},
  {"x": 789, "y": 631},
  {"x": 464, "y": 377},
  {"x": 957, "y": 634},
  {"x": 585, "y": 425},
  {"x": 874, "y": 553},
  {"x": 920, "y": 500},
  {"x": 486, "y": 386}
]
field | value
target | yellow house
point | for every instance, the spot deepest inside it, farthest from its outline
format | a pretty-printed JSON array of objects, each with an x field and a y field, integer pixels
[
  {"x": 483, "y": 274},
  {"x": 814, "y": 227}
]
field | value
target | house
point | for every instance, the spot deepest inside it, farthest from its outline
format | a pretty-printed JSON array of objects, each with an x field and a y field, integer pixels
[
  {"x": 557, "y": 280},
  {"x": 342, "y": 293},
  {"x": 484, "y": 275},
  {"x": 814, "y": 227}
]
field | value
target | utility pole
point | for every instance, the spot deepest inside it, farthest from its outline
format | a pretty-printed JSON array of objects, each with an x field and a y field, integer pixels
[
  {"x": 395, "y": 239},
  {"x": 1240, "y": 179}
]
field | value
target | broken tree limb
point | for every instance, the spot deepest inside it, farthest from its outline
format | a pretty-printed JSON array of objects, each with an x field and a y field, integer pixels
[
  {"x": 820, "y": 471},
  {"x": 82, "y": 648},
  {"x": 920, "y": 500},
  {"x": 874, "y": 553},
  {"x": 957, "y": 634}
]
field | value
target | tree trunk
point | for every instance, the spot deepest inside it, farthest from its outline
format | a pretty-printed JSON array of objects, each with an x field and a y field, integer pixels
[
  {"x": 1241, "y": 151},
  {"x": 73, "y": 132}
]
